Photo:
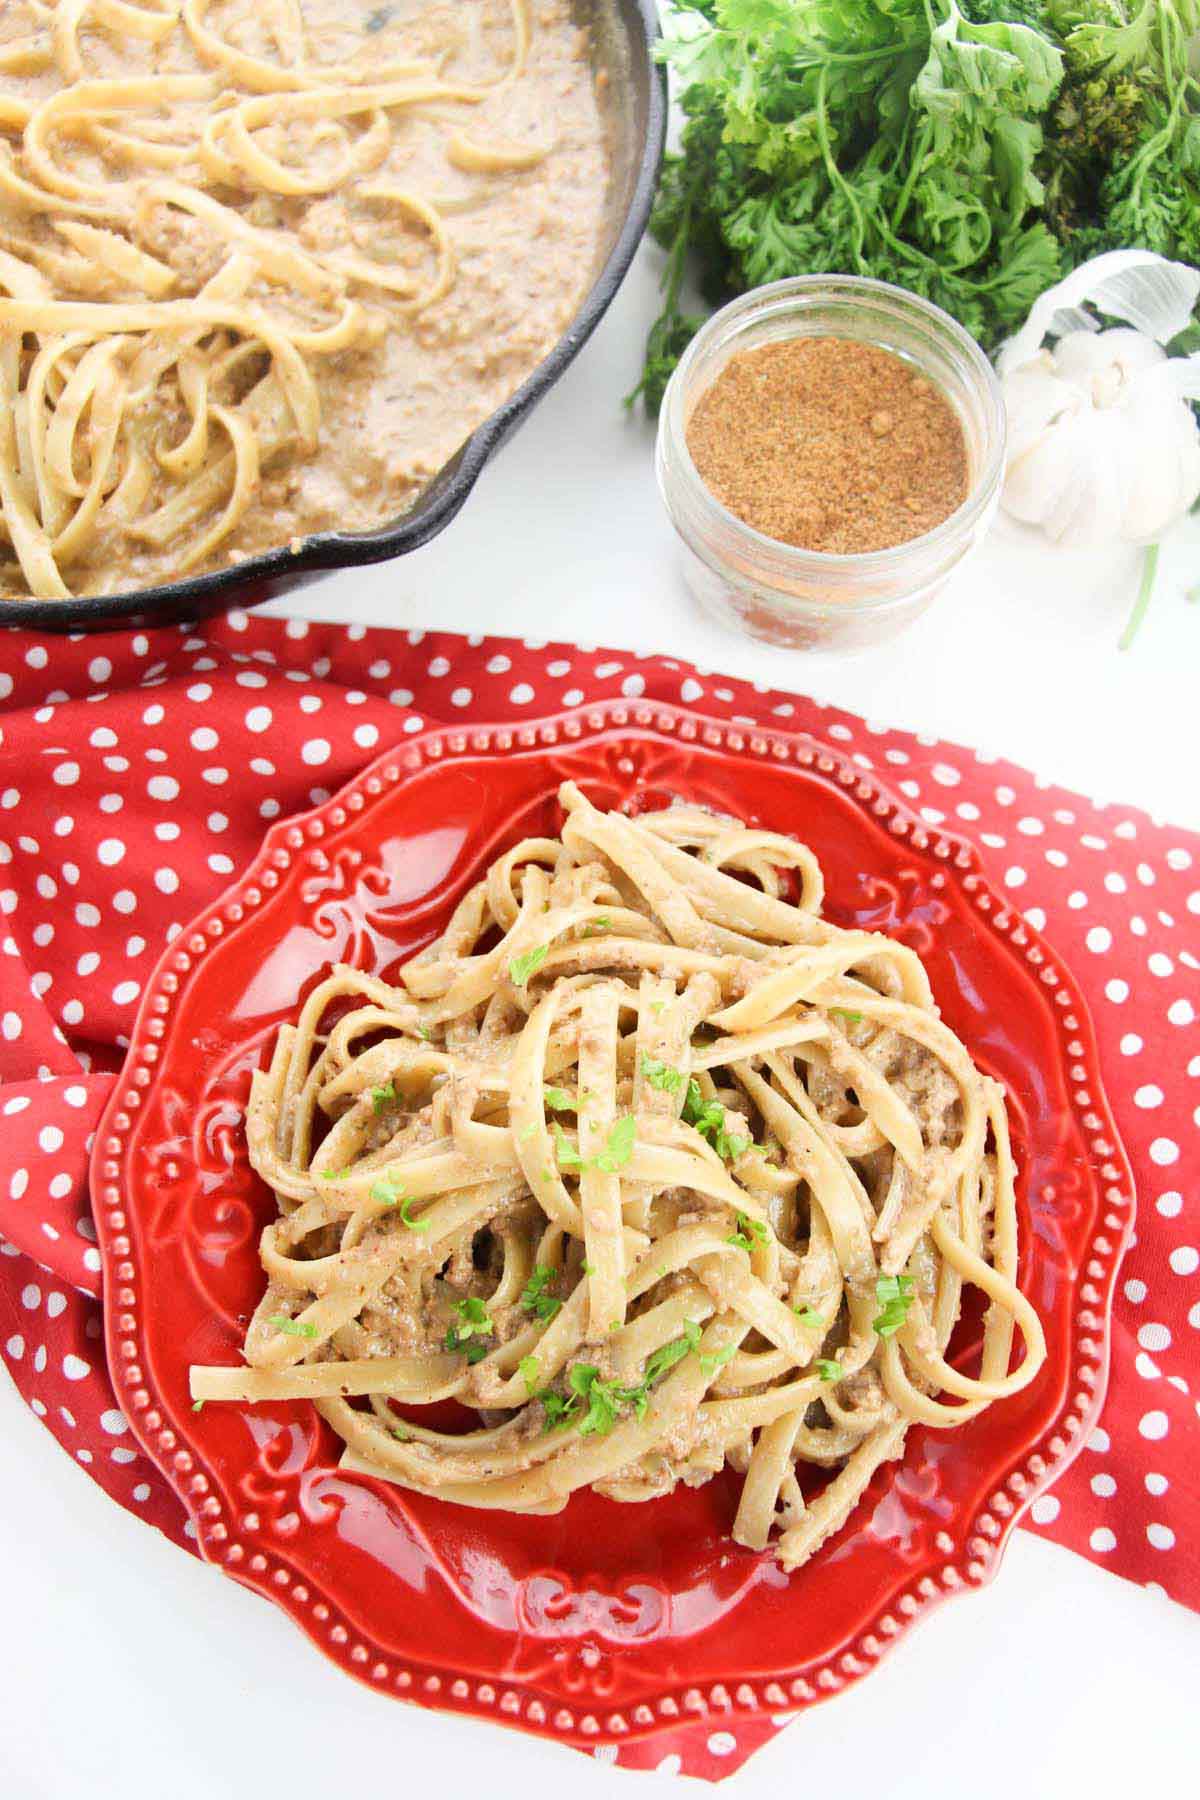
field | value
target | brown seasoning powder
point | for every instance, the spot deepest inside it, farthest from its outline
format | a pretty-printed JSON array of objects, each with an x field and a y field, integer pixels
[{"x": 829, "y": 444}]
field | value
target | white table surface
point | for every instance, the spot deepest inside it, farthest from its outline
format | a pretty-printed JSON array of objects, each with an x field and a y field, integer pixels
[{"x": 140, "y": 1673}]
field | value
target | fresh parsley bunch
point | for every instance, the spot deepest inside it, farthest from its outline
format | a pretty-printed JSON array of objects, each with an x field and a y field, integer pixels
[{"x": 971, "y": 152}]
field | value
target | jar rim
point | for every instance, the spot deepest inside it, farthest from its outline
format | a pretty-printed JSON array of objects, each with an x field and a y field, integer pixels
[{"x": 850, "y": 291}]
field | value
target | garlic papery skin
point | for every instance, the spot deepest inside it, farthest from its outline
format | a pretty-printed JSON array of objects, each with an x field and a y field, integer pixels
[{"x": 1103, "y": 445}]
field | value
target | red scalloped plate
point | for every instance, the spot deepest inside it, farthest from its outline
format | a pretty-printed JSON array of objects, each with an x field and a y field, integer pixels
[{"x": 606, "y": 1622}]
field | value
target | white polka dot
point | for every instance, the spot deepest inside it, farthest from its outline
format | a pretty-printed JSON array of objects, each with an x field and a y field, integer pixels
[
  {"x": 572, "y": 697},
  {"x": 200, "y": 691},
  {"x": 1158, "y": 964},
  {"x": 111, "y": 803},
  {"x": 1030, "y": 827},
  {"x": 1146, "y": 1367},
  {"x": 1185, "y": 1260},
  {"x": 521, "y": 695},
  {"x": 1156, "y": 1484},
  {"x": 1154, "y": 1337},
  {"x": 461, "y": 696},
  {"x": 220, "y": 865},
  {"x": 1114, "y": 883},
  {"x": 367, "y": 736},
  {"x": 1181, "y": 1012},
  {"x": 166, "y": 881},
  {"x": 1045, "y": 1509},
  {"x": 1135, "y": 1290},
  {"x": 99, "y": 669},
  {"x": 1102, "y": 1539},
  {"x": 1147, "y": 1097},
  {"x": 1056, "y": 858},
  {"x": 124, "y": 900},
  {"x": 310, "y": 703},
  {"x": 126, "y": 992},
  {"x": 217, "y": 822},
  {"x": 75, "y": 1096},
  {"x": 113, "y": 1421},
  {"x": 1160, "y": 1536},
  {"x": 1117, "y": 991},
  {"x": 10, "y": 1028},
  {"x": 1036, "y": 917},
  {"x": 72, "y": 1012},
  {"x": 75, "y": 1369},
  {"x": 1099, "y": 939},
  {"x": 18, "y": 1182},
  {"x": 1170, "y": 1204},
  {"x": 16, "y": 1346},
  {"x": 1104, "y": 1486},
  {"x": 162, "y": 787},
  {"x": 66, "y": 774},
  {"x": 722, "y": 1743},
  {"x": 315, "y": 752},
  {"x": 31, "y": 1297},
  {"x": 50, "y": 1139},
  {"x": 413, "y": 724},
  {"x": 1078, "y": 900},
  {"x": 499, "y": 665},
  {"x": 1015, "y": 877},
  {"x": 110, "y": 851},
  {"x": 1153, "y": 1425},
  {"x": 204, "y": 738},
  {"x": 1131, "y": 1043},
  {"x": 1164, "y": 1151},
  {"x": 258, "y": 718},
  {"x": 250, "y": 678}
]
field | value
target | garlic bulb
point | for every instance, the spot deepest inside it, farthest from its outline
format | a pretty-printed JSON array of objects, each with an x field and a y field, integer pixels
[{"x": 1102, "y": 443}]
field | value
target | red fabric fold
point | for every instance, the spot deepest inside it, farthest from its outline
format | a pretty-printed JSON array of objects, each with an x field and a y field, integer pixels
[{"x": 138, "y": 772}]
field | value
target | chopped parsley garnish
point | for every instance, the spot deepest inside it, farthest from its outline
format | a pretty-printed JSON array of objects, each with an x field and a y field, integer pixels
[
  {"x": 840, "y": 1012},
  {"x": 334, "y": 1174},
  {"x": 708, "y": 1117},
  {"x": 829, "y": 1370},
  {"x": 197, "y": 1406},
  {"x": 523, "y": 966},
  {"x": 536, "y": 1299},
  {"x": 617, "y": 1150},
  {"x": 384, "y": 1193},
  {"x": 619, "y": 1147},
  {"x": 596, "y": 926},
  {"x": 424, "y": 1033},
  {"x": 807, "y": 1316},
  {"x": 530, "y": 1368},
  {"x": 716, "y": 1359},
  {"x": 595, "y": 1405},
  {"x": 293, "y": 1327},
  {"x": 558, "y": 1099},
  {"x": 470, "y": 1335},
  {"x": 568, "y": 1155},
  {"x": 401, "y": 1432},
  {"x": 894, "y": 1294},
  {"x": 382, "y": 1096},
  {"x": 749, "y": 1232},
  {"x": 661, "y": 1075},
  {"x": 407, "y": 1219}
]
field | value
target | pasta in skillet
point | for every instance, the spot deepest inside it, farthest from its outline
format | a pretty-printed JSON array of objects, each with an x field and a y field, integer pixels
[{"x": 652, "y": 1168}]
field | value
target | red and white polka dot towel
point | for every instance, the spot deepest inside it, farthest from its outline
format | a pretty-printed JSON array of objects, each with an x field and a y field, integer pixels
[{"x": 138, "y": 772}]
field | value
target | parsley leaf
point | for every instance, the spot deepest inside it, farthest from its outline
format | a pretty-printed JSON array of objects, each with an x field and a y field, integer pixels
[
  {"x": 749, "y": 1232},
  {"x": 407, "y": 1219},
  {"x": 894, "y": 1294},
  {"x": 708, "y": 1117},
  {"x": 840, "y": 1012},
  {"x": 568, "y": 1155},
  {"x": 381, "y": 1097},
  {"x": 619, "y": 1148},
  {"x": 522, "y": 967},
  {"x": 334, "y": 1174},
  {"x": 476, "y": 1326},
  {"x": 558, "y": 1099},
  {"x": 829, "y": 1370},
  {"x": 197, "y": 1406},
  {"x": 807, "y": 1316},
  {"x": 529, "y": 1368},
  {"x": 536, "y": 1299},
  {"x": 383, "y": 1192},
  {"x": 661, "y": 1075},
  {"x": 713, "y": 1360},
  {"x": 293, "y": 1327}
]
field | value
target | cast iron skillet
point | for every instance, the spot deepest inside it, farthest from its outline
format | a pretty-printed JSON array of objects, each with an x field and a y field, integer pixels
[{"x": 623, "y": 32}]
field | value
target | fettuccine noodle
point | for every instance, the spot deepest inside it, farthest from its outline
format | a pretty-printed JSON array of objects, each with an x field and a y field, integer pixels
[{"x": 650, "y": 1167}]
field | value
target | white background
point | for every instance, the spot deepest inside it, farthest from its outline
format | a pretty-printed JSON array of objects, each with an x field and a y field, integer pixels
[{"x": 136, "y": 1672}]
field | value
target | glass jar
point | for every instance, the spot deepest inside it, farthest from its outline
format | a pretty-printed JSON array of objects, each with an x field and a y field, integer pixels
[{"x": 811, "y": 599}]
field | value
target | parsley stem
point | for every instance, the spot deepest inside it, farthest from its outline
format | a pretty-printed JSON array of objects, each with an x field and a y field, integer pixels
[{"x": 1134, "y": 622}]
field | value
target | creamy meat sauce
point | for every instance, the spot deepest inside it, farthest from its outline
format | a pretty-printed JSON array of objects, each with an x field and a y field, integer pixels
[{"x": 400, "y": 399}]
